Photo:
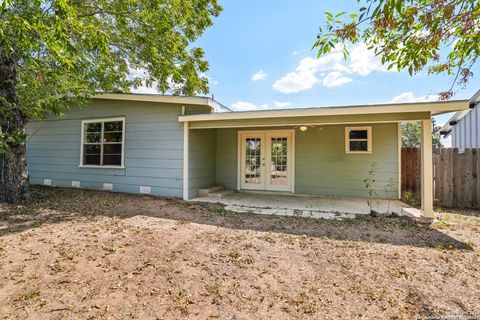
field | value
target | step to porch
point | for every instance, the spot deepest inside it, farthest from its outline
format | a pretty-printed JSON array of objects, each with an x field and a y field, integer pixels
[{"x": 216, "y": 192}]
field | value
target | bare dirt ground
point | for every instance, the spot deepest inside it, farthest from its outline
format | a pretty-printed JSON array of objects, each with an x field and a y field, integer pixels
[{"x": 73, "y": 254}]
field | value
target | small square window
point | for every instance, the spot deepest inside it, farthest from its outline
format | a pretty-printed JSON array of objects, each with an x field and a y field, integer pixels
[{"x": 358, "y": 139}]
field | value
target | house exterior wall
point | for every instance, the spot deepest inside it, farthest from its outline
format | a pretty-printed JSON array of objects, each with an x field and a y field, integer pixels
[
  {"x": 153, "y": 148},
  {"x": 321, "y": 165},
  {"x": 202, "y": 160},
  {"x": 466, "y": 133},
  {"x": 227, "y": 158}
]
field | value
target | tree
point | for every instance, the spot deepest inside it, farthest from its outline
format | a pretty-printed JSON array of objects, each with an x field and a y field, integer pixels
[
  {"x": 55, "y": 54},
  {"x": 440, "y": 35},
  {"x": 412, "y": 135}
]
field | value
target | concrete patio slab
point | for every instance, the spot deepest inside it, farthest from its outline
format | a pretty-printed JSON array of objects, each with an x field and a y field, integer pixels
[{"x": 309, "y": 206}]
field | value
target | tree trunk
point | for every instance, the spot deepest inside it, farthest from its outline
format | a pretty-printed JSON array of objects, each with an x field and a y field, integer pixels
[{"x": 14, "y": 184}]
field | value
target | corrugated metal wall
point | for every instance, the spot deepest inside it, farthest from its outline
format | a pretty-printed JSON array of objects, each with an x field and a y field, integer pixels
[{"x": 466, "y": 133}]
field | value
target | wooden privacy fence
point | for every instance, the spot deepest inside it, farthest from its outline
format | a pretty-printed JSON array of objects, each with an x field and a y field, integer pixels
[
  {"x": 411, "y": 170},
  {"x": 456, "y": 183}
]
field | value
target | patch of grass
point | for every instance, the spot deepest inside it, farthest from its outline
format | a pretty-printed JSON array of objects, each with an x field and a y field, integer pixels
[
  {"x": 439, "y": 224},
  {"x": 183, "y": 300},
  {"x": 405, "y": 223},
  {"x": 29, "y": 295},
  {"x": 359, "y": 219},
  {"x": 213, "y": 288}
]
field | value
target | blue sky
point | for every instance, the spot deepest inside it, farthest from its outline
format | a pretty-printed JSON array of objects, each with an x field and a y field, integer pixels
[{"x": 273, "y": 40}]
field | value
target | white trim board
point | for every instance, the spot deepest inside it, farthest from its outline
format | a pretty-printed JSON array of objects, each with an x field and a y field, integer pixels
[
  {"x": 82, "y": 139},
  {"x": 348, "y": 140},
  {"x": 185, "y": 160},
  {"x": 291, "y": 125},
  {"x": 142, "y": 97},
  {"x": 265, "y": 135}
]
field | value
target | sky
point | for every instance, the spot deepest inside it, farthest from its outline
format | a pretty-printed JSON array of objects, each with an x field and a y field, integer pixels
[{"x": 260, "y": 55}]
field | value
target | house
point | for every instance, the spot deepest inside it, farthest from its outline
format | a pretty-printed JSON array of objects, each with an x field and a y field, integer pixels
[
  {"x": 174, "y": 146},
  {"x": 464, "y": 126}
]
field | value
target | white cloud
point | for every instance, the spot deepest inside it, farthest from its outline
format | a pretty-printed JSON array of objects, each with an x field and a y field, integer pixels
[
  {"x": 297, "y": 52},
  {"x": 279, "y": 104},
  {"x": 408, "y": 97},
  {"x": 364, "y": 61},
  {"x": 332, "y": 67},
  {"x": 243, "y": 106},
  {"x": 247, "y": 106},
  {"x": 260, "y": 75},
  {"x": 295, "y": 82},
  {"x": 334, "y": 79}
]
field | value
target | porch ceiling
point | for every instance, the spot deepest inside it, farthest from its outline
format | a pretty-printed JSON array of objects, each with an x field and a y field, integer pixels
[{"x": 310, "y": 120}]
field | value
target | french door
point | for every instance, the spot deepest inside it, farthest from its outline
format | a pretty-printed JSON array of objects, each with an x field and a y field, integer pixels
[{"x": 266, "y": 160}]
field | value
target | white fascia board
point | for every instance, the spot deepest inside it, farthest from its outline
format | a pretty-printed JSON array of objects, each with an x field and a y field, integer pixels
[
  {"x": 434, "y": 108},
  {"x": 191, "y": 101}
]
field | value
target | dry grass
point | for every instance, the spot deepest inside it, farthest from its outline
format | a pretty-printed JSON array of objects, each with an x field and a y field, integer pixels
[{"x": 92, "y": 255}]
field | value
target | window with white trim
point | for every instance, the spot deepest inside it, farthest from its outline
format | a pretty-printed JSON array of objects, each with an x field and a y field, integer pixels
[
  {"x": 103, "y": 142},
  {"x": 358, "y": 139}
]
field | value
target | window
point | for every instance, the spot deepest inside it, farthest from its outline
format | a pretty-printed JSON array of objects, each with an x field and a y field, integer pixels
[
  {"x": 358, "y": 139},
  {"x": 103, "y": 142}
]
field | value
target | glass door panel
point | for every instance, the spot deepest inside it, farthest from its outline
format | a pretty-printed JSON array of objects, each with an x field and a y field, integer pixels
[
  {"x": 253, "y": 161},
  {"x": 279, "y": 161}
]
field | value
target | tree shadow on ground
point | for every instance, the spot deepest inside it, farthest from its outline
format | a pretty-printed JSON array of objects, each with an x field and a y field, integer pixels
[{"x": 56, "y": 205}]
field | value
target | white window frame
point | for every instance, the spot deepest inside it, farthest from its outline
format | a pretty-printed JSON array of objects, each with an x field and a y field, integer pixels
[
  {"x": 102, "y": 120},
  {"x": 347, "y": 140}
]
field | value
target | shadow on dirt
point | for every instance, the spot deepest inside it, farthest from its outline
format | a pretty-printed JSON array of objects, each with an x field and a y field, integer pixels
[{"x": 57, "y": 205}]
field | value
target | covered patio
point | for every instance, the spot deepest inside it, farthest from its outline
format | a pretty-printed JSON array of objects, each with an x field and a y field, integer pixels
[{"x": 337, "y": 156}]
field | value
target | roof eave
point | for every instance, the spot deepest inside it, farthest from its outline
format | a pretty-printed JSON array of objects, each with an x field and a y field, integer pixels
[
  {"x": 191, "y": 101},
  {"x": 433, "y": 108}
]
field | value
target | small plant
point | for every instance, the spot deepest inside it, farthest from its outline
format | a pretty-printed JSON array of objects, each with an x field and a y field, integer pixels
[
  {"x": 389, "y": 187},
  {"x": 410, "y": 199},
  {"x": 369, "y": 183}
]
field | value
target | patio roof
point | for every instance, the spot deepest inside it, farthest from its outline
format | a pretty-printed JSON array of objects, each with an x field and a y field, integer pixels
[
  {"x": 381, "y": 113},
  {"x": 432, "y": 108}
]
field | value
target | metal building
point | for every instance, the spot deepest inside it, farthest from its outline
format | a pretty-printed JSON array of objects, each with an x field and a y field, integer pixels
[{"x": 464, "y": 126}]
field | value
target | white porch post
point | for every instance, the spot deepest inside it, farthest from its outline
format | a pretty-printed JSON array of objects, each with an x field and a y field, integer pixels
[
  {"x": 185, "y": 160},
  {"x": 427, "y": 169}
]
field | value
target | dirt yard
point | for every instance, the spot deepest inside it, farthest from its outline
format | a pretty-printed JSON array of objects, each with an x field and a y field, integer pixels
[{"x": 72, "y": 254}]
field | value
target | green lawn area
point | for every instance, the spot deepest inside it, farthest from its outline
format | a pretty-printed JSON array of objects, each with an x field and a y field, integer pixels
[{"x": 95, "y": 255}]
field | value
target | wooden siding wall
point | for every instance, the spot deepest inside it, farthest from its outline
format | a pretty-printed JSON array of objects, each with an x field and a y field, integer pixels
[
  {"x": 202, "y": 162},
  {"x": 321, "y": 165},
  {"x": 226, "y": 172},
  {"x": 456, "y": 181},
  {"x": 153, "y": 149},
  {"x": 323, "y": 168}
]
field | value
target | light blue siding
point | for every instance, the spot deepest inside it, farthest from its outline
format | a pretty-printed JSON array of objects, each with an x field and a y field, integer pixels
[
  {"x": 202, "y": 162},
  {"x": 153, "y": 148},
  {"x": 227, "y": 159}
]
